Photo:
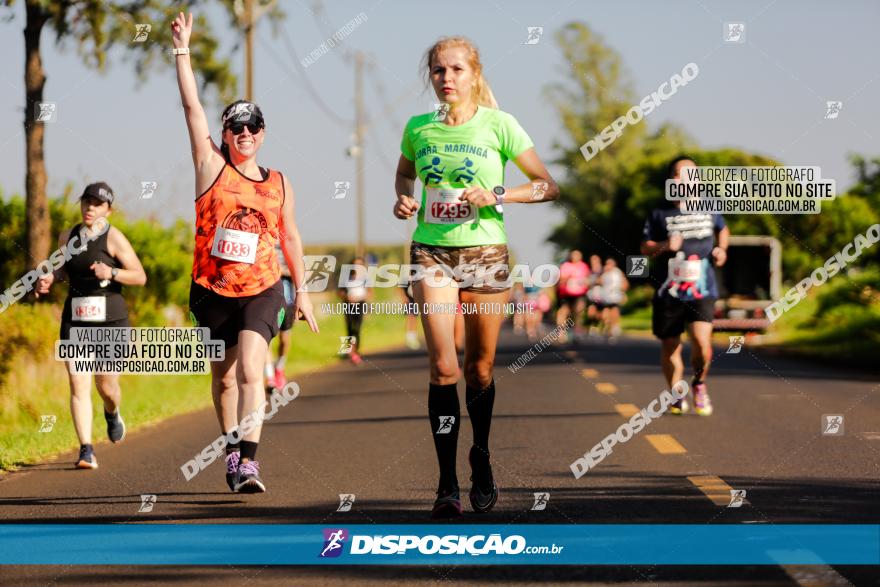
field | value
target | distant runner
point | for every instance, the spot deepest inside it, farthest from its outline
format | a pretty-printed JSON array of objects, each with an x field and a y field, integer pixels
[{"x": 686, "y": 253}]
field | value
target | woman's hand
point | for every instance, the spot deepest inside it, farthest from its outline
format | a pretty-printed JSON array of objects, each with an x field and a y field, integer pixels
[
  {"x": 303, "y": 305},
  {"x": 181, "y": 29},
  {"x": 102, "y": 270},
  {"x": 478, "y": 197},
  {"x": 43, "y": 284},
  {"x": 405, "y": 207}
]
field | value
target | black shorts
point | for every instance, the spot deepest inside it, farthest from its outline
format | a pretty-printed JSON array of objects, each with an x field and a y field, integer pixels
[
  {"x": 225, "y": 317},
  {"x": 671, "y": 316},
  {"x": 66, "y": 325},
  {"x": 570, "y": 301}
]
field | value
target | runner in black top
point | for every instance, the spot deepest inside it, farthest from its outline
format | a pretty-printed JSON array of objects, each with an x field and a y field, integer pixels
[{"x": 95, "y": 299}]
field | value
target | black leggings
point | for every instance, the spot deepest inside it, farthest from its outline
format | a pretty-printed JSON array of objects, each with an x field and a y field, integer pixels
[{"x": 354, "y": 317}]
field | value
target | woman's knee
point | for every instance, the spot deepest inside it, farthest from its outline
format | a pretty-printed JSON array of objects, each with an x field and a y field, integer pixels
[
  {"x": 478, "y": 373},
  {"x": 107, "y": 384},
  {"x": 81, "y": 392},
  {"x": 80, "y": 384},
  {"x": 444, "y": 369},
  {"x": 249, "y": 374},
  {"x": 225, "y": 381}
]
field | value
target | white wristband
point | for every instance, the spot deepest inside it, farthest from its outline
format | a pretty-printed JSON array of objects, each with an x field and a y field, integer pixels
[{"x": 180, "y": 51}]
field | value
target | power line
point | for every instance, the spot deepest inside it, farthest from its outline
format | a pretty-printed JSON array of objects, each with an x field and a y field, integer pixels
[
  {"x": 307, "y": 82},
  {"x": 318, "y": 12},
  {"x": 318, "y": 9},
  {"x": 388, "y": 108},
  {"x": 382, "y": 157}
]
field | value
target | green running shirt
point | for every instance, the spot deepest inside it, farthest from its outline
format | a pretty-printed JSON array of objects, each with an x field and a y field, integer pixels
[{"x": 471, "y": 154}]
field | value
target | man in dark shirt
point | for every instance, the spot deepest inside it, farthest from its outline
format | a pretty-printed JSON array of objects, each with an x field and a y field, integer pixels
[{"x": 684, "y": 249}]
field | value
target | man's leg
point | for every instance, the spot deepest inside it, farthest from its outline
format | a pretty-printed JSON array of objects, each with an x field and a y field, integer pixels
[
  {"x": 701, "y": 354},
  {"x": 701, "y": 357},
  {"x": 667, "y": 324},
  {"x": 670, "y": 359}
]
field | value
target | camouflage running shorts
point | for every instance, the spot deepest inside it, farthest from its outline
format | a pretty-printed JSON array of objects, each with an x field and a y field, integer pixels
[{"x": 481, "y": 269}]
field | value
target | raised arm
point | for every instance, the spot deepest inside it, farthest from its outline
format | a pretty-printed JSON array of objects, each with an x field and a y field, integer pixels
[{"x": 207, "y": 158}]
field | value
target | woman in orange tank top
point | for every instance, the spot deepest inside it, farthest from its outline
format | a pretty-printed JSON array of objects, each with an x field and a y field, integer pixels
[{"x": 242, "y": 211}]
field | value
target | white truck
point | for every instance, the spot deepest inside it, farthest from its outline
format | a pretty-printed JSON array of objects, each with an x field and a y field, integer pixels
[{"x": 749, "y": 281}]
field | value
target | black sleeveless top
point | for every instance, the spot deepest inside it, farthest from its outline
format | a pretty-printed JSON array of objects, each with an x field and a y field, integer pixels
[{"x": 84, "y": 283}]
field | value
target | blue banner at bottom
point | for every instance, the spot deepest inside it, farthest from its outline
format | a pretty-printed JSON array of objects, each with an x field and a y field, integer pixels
[{"x": 524, "y": 544}]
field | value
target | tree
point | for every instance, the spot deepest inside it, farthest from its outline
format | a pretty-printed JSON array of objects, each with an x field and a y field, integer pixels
[
  {"x": 868, "y": 179},
  {"x": 599, "y": 194},
  {"x": 609, "y": 196},
  {"x": 98, "y": 27}
]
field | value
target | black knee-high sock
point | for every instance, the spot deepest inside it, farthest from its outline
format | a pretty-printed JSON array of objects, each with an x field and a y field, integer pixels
[
  {"x": 248, "y": 449},
  {"x": 444, "y": 413},
  {"x": 479, "y": 408},
  {"x": 231, "y": 446}
]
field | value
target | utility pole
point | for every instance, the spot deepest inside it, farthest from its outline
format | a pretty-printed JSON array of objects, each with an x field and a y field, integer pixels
[
  {"x": 249, "y": 50},
  {"x": 247, "y": 19},
  {"x": 358, "y": 151}
]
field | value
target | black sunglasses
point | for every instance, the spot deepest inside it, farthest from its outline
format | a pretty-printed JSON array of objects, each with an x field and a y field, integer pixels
[{"x": 238, "y": 127}]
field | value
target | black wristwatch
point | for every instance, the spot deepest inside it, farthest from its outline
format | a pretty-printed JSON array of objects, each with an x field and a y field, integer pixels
[{"x": 113, "y": 273}]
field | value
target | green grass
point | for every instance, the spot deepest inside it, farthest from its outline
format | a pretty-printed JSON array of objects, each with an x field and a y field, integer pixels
[
  {"x": 839, "y": 322},
  {"x": 638, "y": 319},
  {"x": 35, "y": 384},
  {"x": 846, "y": 332}
]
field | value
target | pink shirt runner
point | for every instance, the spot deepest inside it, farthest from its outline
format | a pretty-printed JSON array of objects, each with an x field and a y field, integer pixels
[{"x": 573, "y": 278}]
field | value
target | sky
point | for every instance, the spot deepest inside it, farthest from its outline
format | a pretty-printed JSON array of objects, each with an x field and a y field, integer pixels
[{"x": 766, "y": 95}]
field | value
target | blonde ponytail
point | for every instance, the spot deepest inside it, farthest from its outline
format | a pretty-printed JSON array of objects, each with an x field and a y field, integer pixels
[{"x": 482, "y": 93}]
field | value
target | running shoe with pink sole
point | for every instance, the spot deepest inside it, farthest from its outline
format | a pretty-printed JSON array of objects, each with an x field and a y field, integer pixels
[{"x": 702, "y": 402}]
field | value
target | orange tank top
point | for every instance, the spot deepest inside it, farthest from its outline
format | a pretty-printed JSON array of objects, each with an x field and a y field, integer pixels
[{"x": 238, "y": 223}]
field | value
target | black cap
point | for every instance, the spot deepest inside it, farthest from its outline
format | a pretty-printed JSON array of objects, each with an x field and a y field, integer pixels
[
  {"x": 98, "y": 190},
  {"x": 242, "y": 111}
]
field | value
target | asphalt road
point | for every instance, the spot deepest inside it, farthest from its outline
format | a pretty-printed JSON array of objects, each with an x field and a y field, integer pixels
[{"x": 363, "y": 431}]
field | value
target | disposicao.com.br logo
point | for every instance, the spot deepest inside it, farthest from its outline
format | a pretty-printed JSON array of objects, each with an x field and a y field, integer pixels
[
  {"x": 334, "y": 539},
  {"x": 411, "y": 544}
]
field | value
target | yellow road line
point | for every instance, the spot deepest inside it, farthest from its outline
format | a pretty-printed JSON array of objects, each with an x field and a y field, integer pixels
[
  {"x": 590, "y": 373},
  {"x": 665, "y": 444},
  {"x": 626, "y": 410},
  {"x": 713, "y": 487},
  {"x": 606, "y": 388}
]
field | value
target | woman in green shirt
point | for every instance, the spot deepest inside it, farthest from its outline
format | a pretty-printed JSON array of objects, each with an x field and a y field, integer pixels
[{"x": 458, "y": 153}]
